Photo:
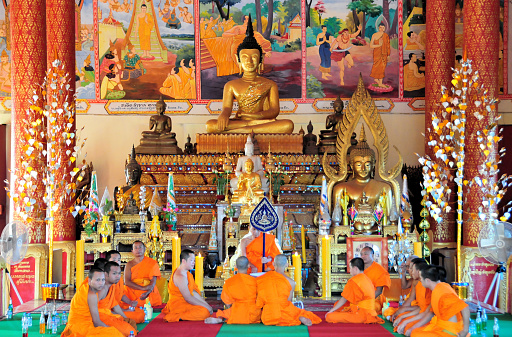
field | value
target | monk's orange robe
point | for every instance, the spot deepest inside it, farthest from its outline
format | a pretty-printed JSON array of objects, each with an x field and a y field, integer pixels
[
  {"x": 240, "y": 292},
  {"x": 445, "y": 304},
  {"x": 179, "y": 309},
  {"x": 273, "y": 292},
  {"x": 142, "y": 274},
  {"x": 117, "y": 321},
  {"x": 380, "y": 56},
  {"x": 360, "y": 307},
  {"x": 118, "y": 289},
  {"x": 380, "y": 278},
  {"x": 80, "y": 321},
  {"x": 255, "y": 248},
  {"x": 423, "y": 299}
]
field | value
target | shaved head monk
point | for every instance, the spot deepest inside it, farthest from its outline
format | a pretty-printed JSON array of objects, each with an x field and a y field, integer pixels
[
  {"x": 252, "y": 247},
  {"x": 109, "y": 310},
  {"x": 406, "y": 283},
  {"x": 357, "y": 303},
  {"x": 185, "y": 301},
  {"x": 140, "y": 277},
  {"x": 84, "y": 319},
  {"x": 239, "y": 296},
  {"x": 118, "y": 289},
  {"x": 379, "y": 276},
  {"x": 275, "y": 293}
]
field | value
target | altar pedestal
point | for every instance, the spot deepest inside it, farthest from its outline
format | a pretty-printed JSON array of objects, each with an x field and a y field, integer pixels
[{"x": 221, "y": 211}]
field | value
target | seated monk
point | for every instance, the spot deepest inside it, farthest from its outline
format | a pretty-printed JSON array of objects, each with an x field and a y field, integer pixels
[
  {"x": 257, "y": 97},
  {"x": 251, "y": 246},
  {"x": 420, "y": 314},
  {"x": 275, "y": 293},
  {"x": 379, "y": 276},
  {"x": 239, "y": 296},
  {"x": 108, "y": 307},
  {"x": 405, "y": 282},
  {"x": 185, "y": 301},
  {"x": 84, "y": 319},
  {"x": 357, "y": 303},
  {"x": 451, "y": 313},
  {"x": 118, "y": 288},
  {"x": 140, "y": 277}
]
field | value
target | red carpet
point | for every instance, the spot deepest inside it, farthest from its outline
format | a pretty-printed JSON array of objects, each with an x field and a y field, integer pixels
[
  {"x": 325, "y": 329},
  {"x": 157, "y": 327}
]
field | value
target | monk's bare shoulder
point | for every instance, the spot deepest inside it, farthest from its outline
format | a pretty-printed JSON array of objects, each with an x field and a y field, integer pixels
[{"x": 292, "y": 282}]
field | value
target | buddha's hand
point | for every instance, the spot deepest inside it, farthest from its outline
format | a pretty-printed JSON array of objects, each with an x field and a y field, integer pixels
[{"x": 222, "y": 122}]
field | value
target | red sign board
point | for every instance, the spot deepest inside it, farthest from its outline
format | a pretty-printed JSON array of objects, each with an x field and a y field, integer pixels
[{"x": 24, "y": 276}]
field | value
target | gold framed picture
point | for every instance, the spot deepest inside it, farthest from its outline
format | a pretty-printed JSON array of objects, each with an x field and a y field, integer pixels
[{"x": 378, "y": 244}]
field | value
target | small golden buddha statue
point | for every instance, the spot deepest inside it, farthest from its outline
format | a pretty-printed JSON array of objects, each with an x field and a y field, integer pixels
[
  {"x": 363, "y": 190},
  {"x": 249, "y": 186},
  {"x": 257, "y": 97}
]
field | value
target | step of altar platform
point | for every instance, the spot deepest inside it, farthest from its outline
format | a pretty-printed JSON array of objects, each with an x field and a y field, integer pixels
[{"x": 233, "y": 143}]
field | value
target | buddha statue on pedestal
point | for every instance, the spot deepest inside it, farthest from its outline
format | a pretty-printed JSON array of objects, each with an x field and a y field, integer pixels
[
  {"x": 122, "y": 194},
  {"x": 131, "y": 206},
  {"x": 309, "y": 142},
  {"x": 328, "y": 136},
  {"x": 257, "y": 97},
  {"x": 248, "y": 189},
  {"x": 159, "y": 139},
  {"x": 257, "y": 166}
]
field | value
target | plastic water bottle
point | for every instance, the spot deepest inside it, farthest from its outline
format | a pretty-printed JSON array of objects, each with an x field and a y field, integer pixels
[
  {"x": 496, "y": 328},
  {"x": 472, "y": 327},
  {"x": 42, "y": 325},
  {"x": 484, "y": 320},
  {"x": 29, "y": 319},
  {"x": 49, "y": 324},
  {"x": 131, "y": 334},
  {"x": 64, "y": 318},
  {"x": 55, "y": 325},
  {"x": 478, "y": 323},
  {"x": 24, "y": 325},
  {"x": 9, "y": 310},
  {"x": 145, "y": 315},
  {"x": 401, "y": 302}
]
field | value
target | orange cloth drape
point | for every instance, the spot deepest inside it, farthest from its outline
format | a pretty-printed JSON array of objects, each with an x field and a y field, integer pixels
[
  {"x": 177, "y": 308},
  {"x": 240, "y": 292},
  {"x": 380, "y": 278},
  {"x": 273, "y": 292},
  {"x": 142, "y": 274},
  {"x": 255, "y": 248},
  {"x": 445, "y": 304},
  {"x": 360, "y": 307}
]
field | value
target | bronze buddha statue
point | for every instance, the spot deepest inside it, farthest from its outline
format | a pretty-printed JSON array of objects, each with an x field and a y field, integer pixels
[
  {"x": 328, "y": 136},
  {"x": 257, "y": 97},
  {"x": 131, "y": 206},
  {"x": 159, "y": 139}
]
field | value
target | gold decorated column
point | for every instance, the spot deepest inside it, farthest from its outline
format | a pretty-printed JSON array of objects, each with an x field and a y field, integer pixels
[
  {"x": 481, "y": 39},
  {"x": 60, "y": 32},
  {"x": 440, "y": 58},
  {"x": 28, "y": 60}
]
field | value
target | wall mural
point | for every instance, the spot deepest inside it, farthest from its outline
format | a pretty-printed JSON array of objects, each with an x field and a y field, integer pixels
[{"x": 131, "y": 52}]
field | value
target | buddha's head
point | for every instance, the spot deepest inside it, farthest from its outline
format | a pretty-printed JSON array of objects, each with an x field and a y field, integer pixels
[
  {"x": 382, "y": 27},
  {"x": 362, "y": 158},
  {"x": 338, "y": 105},
  {"x": 249, "y": 147},
  {"x": 249, "y": 52},
  {"x": 249, "y": 165},
  {"x": 132, "y": 170},
  {"x": 161, "y": 106}
]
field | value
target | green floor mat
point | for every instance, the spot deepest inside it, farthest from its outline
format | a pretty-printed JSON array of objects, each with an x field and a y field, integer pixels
[{"x": 257, "y": 330}]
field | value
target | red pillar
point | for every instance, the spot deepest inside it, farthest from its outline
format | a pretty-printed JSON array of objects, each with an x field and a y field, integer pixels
[
  {"x": 440, "y": 58},
  {"x": 481, "y": 39},
  {"x": 28, "y": 62},
  {"x": 60, "y": 40}
]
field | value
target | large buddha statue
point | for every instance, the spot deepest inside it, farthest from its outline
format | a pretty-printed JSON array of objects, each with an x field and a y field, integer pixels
[
  {"x": 257, "y": 166},
  {"x": 122, "y": 195},
  {"x": 159, "y": 139},
  {"x": 248, "y": 189},
  {"x": 257, "y": 97}
]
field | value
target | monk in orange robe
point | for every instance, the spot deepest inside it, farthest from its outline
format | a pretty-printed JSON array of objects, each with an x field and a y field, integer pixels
[
  {"x": 275, "y": 293},
  {"x": 379, "y": 276},
  {"x": 421, "y": 315},
  {"x": 357, "y": 303},
  {"x": 406, "y": 283},
  {"x": 252, "y": 247},
  {"x": 173, "y": 85},
  {"x": 451, "y": 313},
  {"x": 381, "y": 51},
  {"x": 118, "y": 289},
  {"x": 140, "y": 277},
  {"x": 84, "y": 318},
  {"x": 185, "y": 302},
  {"x": 239, "y": 295}
]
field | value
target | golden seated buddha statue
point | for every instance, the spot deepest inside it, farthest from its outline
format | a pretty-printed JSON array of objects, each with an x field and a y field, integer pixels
[
  {"x": 249, "y": 189},
  {"x": 257, "y": 97}
]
